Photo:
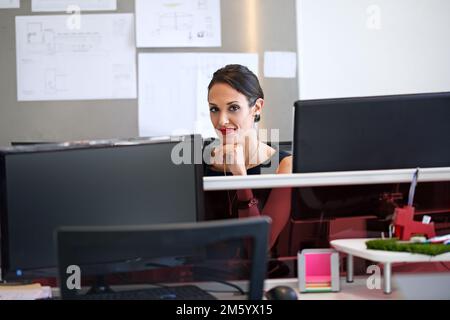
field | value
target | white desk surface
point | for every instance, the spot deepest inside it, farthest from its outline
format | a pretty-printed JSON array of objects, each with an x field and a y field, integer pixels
[
  {"x": 406, "y": 286},
  {"x": 357, "y": 248},
  {"x": 349, "y": 291},
  {"x": 431, "y": 287}
]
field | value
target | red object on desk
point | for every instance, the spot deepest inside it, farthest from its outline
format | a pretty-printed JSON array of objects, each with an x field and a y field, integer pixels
[
  {"x": 318, "y": 268},
  {"x": 406, "y": 227}
]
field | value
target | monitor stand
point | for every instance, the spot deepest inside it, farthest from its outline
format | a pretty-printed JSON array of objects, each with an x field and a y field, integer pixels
[{"x": 100, "y": 286}]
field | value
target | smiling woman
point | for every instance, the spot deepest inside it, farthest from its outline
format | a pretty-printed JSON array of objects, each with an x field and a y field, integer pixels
[{"x": 236, "y": 101}]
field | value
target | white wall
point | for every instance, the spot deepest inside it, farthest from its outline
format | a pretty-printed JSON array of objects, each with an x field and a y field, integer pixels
[{"x": 351, "y": 48}]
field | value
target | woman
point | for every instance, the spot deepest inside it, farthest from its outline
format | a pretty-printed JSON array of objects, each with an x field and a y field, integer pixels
[{"x": 236, "y": 101}]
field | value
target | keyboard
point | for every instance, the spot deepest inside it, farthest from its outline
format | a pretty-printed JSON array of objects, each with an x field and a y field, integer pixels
[{"x": 165, "y": 293}]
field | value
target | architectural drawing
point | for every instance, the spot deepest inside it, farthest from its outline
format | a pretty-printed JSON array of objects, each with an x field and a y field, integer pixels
[{"x": 96, "y": 62}]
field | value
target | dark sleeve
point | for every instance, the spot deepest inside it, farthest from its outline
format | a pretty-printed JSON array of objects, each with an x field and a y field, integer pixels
[{"x": 277, "y": 207}]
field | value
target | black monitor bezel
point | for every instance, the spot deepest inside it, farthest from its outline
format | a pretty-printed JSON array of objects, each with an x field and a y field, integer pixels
[
  {"x": 51, "y": 272},
  {"x": 152, "y": 244},
  {"x": 298, "y": 214},
  {"x": 331, "y": 101}
]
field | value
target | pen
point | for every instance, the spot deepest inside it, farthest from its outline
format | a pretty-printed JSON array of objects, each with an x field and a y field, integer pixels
[{"x": 412, "y": 189}]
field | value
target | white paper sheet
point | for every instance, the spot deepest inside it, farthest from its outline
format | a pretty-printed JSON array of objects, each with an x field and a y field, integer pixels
[
  {"x": 280, "y": 64},
  {"x": 178, "y": 23},
  {"x": 62, "y": 5},
  {"x": 25, "y": 292},
  {"x": 9, "y": 4},
  {"x": 56, "y": 63},
  {"x": 173, "y": 91}
]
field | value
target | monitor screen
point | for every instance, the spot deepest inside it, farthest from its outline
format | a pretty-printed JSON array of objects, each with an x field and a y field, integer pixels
[
  {"x": 374, "y": 133},
  {"x": 105, "y": 184},
  {"x": 216, "y": 251}
]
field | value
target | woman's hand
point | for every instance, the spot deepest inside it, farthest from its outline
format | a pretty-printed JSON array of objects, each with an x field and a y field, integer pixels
[
  {"x": 232, "y": 157},
  {"x": 236, "y": 157}
]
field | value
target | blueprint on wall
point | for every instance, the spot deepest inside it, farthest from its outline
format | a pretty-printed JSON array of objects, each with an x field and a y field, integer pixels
[
  {"x": 58, "y": 62},
  {"x": 9, "y": 4},
  {"x": 178, "y": 23},
  {"x": 63, "y": 5}
]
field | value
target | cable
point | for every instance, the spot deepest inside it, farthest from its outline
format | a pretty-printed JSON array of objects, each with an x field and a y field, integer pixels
[
  {"x": 202, "y": 276},
  {"x": 239, "y": 289},
  {"x": 214, "y": 278}
]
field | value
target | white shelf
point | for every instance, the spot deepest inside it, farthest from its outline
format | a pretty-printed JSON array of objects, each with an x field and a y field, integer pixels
[{"x": 324, "y": 179}]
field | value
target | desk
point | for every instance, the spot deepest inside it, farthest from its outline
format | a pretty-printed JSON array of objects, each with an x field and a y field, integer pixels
[
  {"x": 435, "y": 288},
  {"x": 408, "y": 286},
  {"x": 355, "y": 291},
  {"x": 357, "y": 248}
]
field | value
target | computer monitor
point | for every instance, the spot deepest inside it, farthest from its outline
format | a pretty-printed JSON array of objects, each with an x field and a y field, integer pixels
[
  {"x": 115, "y": 183},
  {"x": 370, "y": 133},
  {"x": 202, "y": 248},
  {"x": 28, "y": 143}
]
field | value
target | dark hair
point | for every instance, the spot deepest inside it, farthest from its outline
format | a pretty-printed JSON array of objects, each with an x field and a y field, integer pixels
[{"x": 241, "y": 79}]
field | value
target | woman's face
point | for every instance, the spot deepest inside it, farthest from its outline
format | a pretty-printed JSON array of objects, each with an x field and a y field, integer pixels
[{"x": 230, "y": 113}]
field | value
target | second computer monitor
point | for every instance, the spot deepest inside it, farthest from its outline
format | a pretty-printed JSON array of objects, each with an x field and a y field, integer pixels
[{"x": 372, "y": 133}]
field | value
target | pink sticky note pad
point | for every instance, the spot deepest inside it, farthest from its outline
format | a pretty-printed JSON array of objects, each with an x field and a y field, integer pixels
[{"x": 318, "y": 267}]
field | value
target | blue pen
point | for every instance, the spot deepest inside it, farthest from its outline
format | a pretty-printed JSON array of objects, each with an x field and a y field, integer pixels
[{"x": 412, "y": 189}]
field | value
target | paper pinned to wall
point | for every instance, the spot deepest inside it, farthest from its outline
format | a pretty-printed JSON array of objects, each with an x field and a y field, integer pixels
[
  {"x": 63, "y": 5},
  {"x": 280, "y": 64},
  {"x": 173, "y": 90},
  {"x": 97, "y": 61},
  {"x": 9, "y": 4},
  {"x": 178, "y": 23}
]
